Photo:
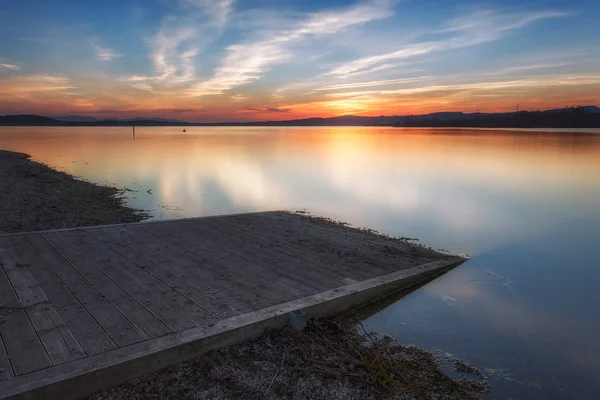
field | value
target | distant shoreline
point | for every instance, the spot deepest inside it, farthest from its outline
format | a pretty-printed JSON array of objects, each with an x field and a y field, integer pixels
[
  {"x": 37, "y": 197},
  {"x": 570, "y": 118}
]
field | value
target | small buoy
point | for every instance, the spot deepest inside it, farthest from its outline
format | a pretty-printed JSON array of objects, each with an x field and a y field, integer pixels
[{"x": 184, "y": 130}]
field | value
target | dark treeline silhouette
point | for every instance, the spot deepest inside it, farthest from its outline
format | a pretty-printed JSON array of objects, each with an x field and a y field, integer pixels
[
  {"x": 38, "y": 120},
  {"x": 570, "y": 117}
]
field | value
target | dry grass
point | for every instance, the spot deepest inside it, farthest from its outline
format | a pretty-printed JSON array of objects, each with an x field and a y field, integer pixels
[{"x": 330, "y": 360}]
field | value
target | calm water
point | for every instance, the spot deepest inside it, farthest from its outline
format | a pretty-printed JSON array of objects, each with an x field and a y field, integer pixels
[{"x": 524, "y": 204}]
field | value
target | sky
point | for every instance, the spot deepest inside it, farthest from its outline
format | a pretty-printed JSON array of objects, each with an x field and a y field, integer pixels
[{"x": 236, "y": 60}]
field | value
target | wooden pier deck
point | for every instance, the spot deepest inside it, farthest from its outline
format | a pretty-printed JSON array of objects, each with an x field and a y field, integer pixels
[{"x": 85, "y": 309}]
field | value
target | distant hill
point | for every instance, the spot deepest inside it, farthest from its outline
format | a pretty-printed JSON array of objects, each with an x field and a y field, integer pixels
[
  {"x": 136, "y": 119},
  {"x": 75, "y": 118},
  {"x": 571, "y": 117},
  {"x": 29, "y": 120},
  {"x": 86, "y": 119}
]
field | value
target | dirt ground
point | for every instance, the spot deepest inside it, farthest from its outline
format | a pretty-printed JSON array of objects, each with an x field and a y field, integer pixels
[
  {"x": 36, "y": 197},
  {"x": 329, "y": 359}
]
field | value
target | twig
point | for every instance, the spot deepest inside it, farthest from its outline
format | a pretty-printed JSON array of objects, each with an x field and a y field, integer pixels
[
  {"x": 276, "y": 373},
  {"x": 170, "y": 208},
  {"x": 366, "y": 333}
]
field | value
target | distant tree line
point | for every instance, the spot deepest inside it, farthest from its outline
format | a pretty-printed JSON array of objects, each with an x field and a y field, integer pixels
[{"x": 571, "y": 117}]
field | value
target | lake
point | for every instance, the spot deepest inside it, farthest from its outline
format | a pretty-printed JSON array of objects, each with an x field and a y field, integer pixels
[{"x": 524, "y": 204}]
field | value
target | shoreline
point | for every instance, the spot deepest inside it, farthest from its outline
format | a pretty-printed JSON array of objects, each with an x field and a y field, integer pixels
[
  {"x": 36, "y": 197},
  {"x": 331, "y": 358}
]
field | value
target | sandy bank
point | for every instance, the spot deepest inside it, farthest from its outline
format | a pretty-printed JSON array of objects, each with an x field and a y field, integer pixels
[{"x": 36, "y": 197}]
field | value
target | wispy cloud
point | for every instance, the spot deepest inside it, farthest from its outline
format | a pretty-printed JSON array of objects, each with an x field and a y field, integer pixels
[
  {"x": 475, "y": 28},
  {"x": 372, "y": 83},
  {"x": 143, "y": 86},
  {"x": 41, "y": 83},
  {"x": 379, "y": 68},
  {"x": 218, "y": 11},
  {"x": 370, "y": 64},
  {"x": 177, "y": 43},
  {"x": 247, "y": 62},
  {"x": 480, "y": 86},
  {"x": 36, "y": 87},
  {"x": 173, "y": 53},
  {"x": 269, "y": 109},
  {"x": 490, "y": 22},
  {"x": 527, "y": 68},
  {"x": 238, "y": 97},
  {"x": 10, "y": 67},
  {"x": 103, "y": 53}
]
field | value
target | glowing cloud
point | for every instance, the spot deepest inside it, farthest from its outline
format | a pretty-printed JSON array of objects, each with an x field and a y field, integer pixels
[
  {"x": 103, "y": 53},
  {"x": 38, "y": 83},
  {"x": 10, "y": 67}
]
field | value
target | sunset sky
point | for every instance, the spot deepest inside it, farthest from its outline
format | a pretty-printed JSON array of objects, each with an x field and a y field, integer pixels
[{"x": 210, "y": 60}]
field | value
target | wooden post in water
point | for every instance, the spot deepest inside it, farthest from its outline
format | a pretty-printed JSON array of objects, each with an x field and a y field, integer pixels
[{"x": 133, "y": 126}]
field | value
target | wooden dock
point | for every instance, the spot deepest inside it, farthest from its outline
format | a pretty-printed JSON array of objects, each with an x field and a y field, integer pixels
[{"x": 85, "y": 309}]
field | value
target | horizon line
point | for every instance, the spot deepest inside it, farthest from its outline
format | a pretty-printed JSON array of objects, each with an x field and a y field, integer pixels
[{"x": 166, "y": 119}]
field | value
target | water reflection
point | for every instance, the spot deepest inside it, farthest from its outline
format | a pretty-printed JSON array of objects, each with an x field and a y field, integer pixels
[
  {"x": 523, "y": 204},
  {"x": 525, "y": 311}
]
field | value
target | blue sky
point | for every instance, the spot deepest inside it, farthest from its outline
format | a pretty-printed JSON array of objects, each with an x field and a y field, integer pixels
[{"x": 242, "y": 60}]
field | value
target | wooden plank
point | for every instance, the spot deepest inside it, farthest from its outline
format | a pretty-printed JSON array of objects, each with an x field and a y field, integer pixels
[
  {"x": 272, "y": 257},
  {"x": 217, "y": 308},
  {"x": 84, "y": 327},
  {"x": 26, "y": 288},
  {"x": 203, "y": 251},
  {"x": 8, "y": 297},
  {"x": 121, "y": 331},
  {"x": 56, "y": 338},
  {"x": 22, "y": 343},
  {"x": 302, "y": 225},
  {"x": 227, "y": 295},
  {"x": 345, "y": 241},
  {"x": 158, "y": 279},
  {"x": 316, "y": 251},
  {"x": 6, "y": 371},
  {"x": 144, "y": 321},
  {"x": 343, "y": 238},
  {"x": 133, "y": 280},
  {"x": 203, "y": 256},
  {"x": 173, "y": 270},
  {"x": 324, "y": 247},
  {"x": 280, "y": 274}
]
